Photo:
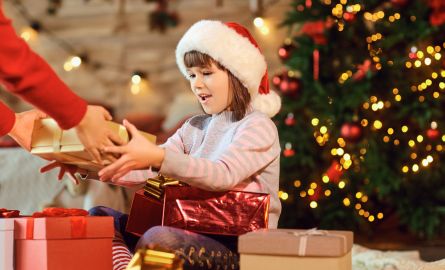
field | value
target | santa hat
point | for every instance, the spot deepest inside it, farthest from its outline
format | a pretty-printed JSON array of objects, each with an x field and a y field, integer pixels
[{"x": 231, "y": 45}]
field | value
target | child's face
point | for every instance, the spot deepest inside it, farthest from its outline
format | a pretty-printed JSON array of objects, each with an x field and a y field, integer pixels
[{"x": 211, "y": 87}]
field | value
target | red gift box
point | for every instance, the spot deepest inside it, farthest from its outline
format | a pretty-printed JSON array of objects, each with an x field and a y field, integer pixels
[
  {"x": 145, "y": 212},
  {"x": 223, "y": 213},
  {"x": 68, "y": 243}
]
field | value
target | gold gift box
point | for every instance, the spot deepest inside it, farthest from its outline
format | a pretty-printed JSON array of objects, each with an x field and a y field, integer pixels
[
  {"x": 152, "y": 259},
  {"x": 50, "y": 142}
]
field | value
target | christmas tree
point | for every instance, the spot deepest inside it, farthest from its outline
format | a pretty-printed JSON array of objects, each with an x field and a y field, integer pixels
[{"x": 363, "y": 116}]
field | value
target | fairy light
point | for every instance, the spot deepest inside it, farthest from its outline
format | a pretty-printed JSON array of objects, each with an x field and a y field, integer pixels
[
  {"x": 327, "y": 193},
  {"x": 297, "y": 183},
  {"x": 415, "y": 168},
  {"x": 361, "y": 212},
  {"x": 364, "y": 198},
  {"x": 325, "y": 179},
  {"x": 73, "y": 62},
  {"x": 404, "y": 129},
  {"x": 380, "y": 215},
  {"x": 258, "y": 22},
  {"x": 413, "y": 155},
  {"x": 405, "y": 169},
  {"x": 303, "y": 194},
  {"x": 313, "y": 204},
  {"x": 411, "y": 143},
  {"x": 315, "y": 122},
  {"x": 28, "y": 34},
  {"x": 429, "y": 158},
  {"x": 284, "y": 195},
  {"x": 371, "y": 218},
  {"x": 323, "y": 130},
  {"x": 341, "y": 142},
  {"x": 341, "y": 184},
  {"x": 310, "y": 192},
  {"x": 378, "y": 124},
  {"x": 346, "y": 202},
  {"x": 419, "y": 138}
]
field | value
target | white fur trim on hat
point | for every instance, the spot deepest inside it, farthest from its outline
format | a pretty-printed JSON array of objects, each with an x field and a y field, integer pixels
[
  {"x": 269, "y": 104},
  {"x": 226, "y": 46}
]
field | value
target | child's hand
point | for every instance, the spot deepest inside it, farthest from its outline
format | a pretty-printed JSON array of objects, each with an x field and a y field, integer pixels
[
  {"x": 139, "y": 153},
  {"x": 64, "y": 168}
]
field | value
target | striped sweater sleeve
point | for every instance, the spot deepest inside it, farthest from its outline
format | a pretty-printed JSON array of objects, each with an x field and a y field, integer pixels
[{"x": 253, "y": 148}]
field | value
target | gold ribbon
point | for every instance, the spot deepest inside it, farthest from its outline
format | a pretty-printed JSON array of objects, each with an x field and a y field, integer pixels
[{"x": 302, "y": 247}]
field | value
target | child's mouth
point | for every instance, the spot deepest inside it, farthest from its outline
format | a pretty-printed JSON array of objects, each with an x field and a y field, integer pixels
[{"x": 204, "y": 97}]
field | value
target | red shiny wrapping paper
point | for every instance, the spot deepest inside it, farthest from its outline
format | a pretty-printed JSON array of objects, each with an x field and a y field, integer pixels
[{"x": 224, "y": 213}]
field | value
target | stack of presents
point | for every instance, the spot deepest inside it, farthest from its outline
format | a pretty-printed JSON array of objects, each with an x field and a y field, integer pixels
[{"x": 70, "y": 239}]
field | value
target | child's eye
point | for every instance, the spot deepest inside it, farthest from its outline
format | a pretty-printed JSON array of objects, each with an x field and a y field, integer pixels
[
  {"x": 191, "y": 76},
  {"x": 206, "y": 73}
]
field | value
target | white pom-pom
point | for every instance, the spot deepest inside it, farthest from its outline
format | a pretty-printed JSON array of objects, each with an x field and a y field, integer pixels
[{"x": 269, "y": 104}]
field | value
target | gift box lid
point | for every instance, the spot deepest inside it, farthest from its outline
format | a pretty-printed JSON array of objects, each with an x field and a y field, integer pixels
[
  {"x": 6, "y": 224},
  {"x": 64, "y": 227},
  {"x": 290, "y": 242}
]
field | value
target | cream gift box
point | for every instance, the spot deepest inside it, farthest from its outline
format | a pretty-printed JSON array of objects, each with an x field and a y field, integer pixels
[
  {"x": 49, "y": 141},
  {"x": 288, "y": 249}
]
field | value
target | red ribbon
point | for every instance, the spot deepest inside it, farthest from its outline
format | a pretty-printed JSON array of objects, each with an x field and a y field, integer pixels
[
  {"x": 5, "y": 213},
  {"x": 29, "y": 228},
  {"x": 78, "y": 227},
  {"x": 76, "y": 216}
]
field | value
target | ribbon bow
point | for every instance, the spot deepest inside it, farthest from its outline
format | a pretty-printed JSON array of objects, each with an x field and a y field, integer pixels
[{"x": 304, "y": 235}]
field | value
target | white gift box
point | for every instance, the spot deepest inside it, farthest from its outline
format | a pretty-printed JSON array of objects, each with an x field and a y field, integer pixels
[{"x": 6, "y": 243}]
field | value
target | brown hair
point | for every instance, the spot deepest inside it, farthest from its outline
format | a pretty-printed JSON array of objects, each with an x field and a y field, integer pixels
[{"x": 240, "y": 95}]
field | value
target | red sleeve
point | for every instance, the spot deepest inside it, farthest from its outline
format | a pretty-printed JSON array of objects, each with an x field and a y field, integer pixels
[
  {"x": 7, "y": 119},
  {"x": 28, "y": 76}
]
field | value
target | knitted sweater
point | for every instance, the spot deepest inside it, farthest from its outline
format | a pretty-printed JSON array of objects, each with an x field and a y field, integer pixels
[
  {"x": 28, "y": 76},
  {"x": 213, "y": 153}
]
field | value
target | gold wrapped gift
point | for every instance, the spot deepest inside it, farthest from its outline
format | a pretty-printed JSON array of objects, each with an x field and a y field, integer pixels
[
  {"x": 154, "y": 187},
  {"x": 50, "y": 142},
  {"x": 153, "y": 259}
]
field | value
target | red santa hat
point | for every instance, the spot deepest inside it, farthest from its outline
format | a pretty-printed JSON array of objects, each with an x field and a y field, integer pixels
[{"x": 231, "y": 45}]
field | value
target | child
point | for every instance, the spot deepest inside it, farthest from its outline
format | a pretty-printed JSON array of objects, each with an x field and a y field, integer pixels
[{"x": 234, "y": 146}]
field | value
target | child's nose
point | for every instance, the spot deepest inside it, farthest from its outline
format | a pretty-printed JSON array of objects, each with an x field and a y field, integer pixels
[{"x": 198, "y": 82}]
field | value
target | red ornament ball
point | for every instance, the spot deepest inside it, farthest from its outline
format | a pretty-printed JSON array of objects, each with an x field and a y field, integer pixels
[
  {"x": 335, "y": 171},
  {"x": 349, "y": 17},
  {"x": 351, "y": 131},
  {"x": 289, "y": 86},
  {"x": 290, "y": 120},
  {"x": 285, "y": 51},
  {"x": 433, "y": 134}
]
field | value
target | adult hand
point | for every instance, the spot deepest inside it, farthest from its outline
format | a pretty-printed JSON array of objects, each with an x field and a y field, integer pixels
[
  {"x": 139, "y": 153},
  {"x": 64, "y": 168},
  {"x": 21, "y": 132},
  {"x": 94, "y": 132}
]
